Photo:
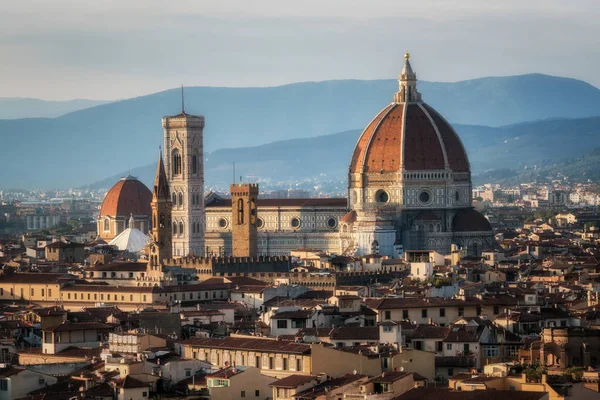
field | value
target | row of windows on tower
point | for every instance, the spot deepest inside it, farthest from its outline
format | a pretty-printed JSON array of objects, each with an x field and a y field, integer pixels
[
  {"x": 176, "y": 166},
  {"x": 177, "y": 199},
  {"x": 178, "y": 228}
]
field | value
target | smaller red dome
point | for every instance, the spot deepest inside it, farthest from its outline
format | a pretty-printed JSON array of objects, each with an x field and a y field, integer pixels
[
  {"x": 126, "y": 197},
  {"x": 470, "y": 221}
]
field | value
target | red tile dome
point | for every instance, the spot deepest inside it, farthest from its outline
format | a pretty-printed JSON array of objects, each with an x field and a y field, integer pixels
[
  {"x": 408, "y": 135},
  {"x": 128, "y": 196},
  {"x": 412, "y": 135}
]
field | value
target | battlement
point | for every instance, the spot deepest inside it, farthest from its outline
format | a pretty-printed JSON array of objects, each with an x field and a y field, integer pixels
[
  {"x": 244, "y": 189},
  {"x": 276, "y": 269}
]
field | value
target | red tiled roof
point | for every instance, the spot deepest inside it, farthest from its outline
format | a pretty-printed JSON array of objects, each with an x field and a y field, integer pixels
[
  {"x": 433, "y": 393},
  {"x": 349, "y": 218},
  {"x": 309, "y": 202},
  {"x": 253, "y": 344},
  {"x": 79, "y": 326},
  {"x": 413, "y": 136},
  {"x": 292, "y": 381},
  {"x": 34, "y": 278},
  {"x": 370, "y": 333}
]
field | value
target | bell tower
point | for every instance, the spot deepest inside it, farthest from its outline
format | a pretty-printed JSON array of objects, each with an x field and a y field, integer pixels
[
  {"x": 161, "y": 218},
  {"x": 244, "y": 241},
  {"x": 184, "y": 165}
]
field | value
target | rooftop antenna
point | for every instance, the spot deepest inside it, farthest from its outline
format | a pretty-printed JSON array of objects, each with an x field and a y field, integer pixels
[{"x": 182, "y": 101}]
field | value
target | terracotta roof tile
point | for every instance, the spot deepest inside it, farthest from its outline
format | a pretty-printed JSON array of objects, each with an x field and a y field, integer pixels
[{"x": 128, "y": 196}]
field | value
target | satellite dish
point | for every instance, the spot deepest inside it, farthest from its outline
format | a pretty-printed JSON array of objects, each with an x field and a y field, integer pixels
[
  {"x": 354, "y": 372},
  {"x": 401, "y": 369}
]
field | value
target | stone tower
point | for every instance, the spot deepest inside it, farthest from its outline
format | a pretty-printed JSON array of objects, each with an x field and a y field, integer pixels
[
  {"x": 243, "y": 220},
  {"x": 185, "y": 172},
  {"x": 161, "y": 215}
]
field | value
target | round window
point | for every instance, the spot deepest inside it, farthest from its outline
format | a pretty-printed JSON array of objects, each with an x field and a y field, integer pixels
[
  {"x": 295, "y": 222},
  {"x": 222, "y": 223},
  {"x": 331, "y": 222},
  {"x": 382, "y": 197},
  {"x": 424, "y": 197},
  {"x": 260, "y": 223}
]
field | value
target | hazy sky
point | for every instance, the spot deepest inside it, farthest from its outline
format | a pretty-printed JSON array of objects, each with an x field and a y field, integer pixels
[{"x": 105, "y": 49}]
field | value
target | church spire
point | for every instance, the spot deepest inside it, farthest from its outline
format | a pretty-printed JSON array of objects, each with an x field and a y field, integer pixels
[
  {"x": 182, "y": 101},
  {"x": 161, "y": 184},
  {"x": 407, "y": 82}
]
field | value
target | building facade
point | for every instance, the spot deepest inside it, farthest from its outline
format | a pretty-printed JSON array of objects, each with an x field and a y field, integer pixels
[{"x": 183, "y": 141}]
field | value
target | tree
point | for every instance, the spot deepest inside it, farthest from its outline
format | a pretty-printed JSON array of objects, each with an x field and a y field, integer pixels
[{"x": 534, "y": 373}]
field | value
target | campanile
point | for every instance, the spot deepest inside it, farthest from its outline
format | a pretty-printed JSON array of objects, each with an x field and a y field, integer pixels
[{"x": 184, "y": 163}]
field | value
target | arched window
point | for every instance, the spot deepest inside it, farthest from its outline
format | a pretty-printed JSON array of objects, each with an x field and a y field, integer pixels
[
  {"x": 181, "y": 228},
  {"x": 174, "y": 228},
  {"x": 180, "y": 199},
  {"x": 161, "y": 221},
  {"x": 240, "y": 211},
  {"x": 194, "y": 164},
  {"x": 176, "y": 162},
  {"x": 174, "y": 199},
  {"x": 253, "y": 212},
  {"x": 475, "y": 248},
  {"x": 193, "y": 199},
  {"x": 106, "y": 225}
]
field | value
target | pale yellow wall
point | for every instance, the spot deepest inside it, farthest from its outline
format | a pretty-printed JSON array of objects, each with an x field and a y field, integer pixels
[
  {"x": 249, "y": 381},
  {"x": 218, "y": 357},
  {"x": 433, "y": 313},
  {"x": 422, "y": 362},
  {"x": 30, "y": 291},
  {"x": 133, "y": 394},
  {"x": 290, "y": 393},
  {"x": 337, "y": 363}
]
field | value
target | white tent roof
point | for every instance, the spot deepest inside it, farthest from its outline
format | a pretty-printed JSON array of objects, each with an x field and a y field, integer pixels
[{"x": 131, "y": 239}]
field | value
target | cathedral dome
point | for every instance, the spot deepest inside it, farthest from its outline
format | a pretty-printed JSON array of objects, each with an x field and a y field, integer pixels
[
  {"x": 470, "y": 221},
  {"x": 408, "y": 135},
  {"x": 127, "y": 197}
]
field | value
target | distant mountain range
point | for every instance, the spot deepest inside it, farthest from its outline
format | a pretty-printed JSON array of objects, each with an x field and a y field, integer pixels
[
  {"x": 510, "y": 152},
  {"x": 88, "y": 145},
  {"x": 21, "y": 107}
]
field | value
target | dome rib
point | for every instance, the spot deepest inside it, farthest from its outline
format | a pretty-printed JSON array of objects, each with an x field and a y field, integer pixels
[
  {"x": 357, "y": 163},
  {"x": 423, "y": 149},
  {"x": 439, "y": 135},
  {"x": 381, "y": 153},
  {"x": 457, "y": 155}
]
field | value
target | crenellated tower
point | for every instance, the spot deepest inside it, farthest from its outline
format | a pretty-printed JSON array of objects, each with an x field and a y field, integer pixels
[
  {"x": 183, "y": 135},
  {"x": 244, "y": 235}
]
